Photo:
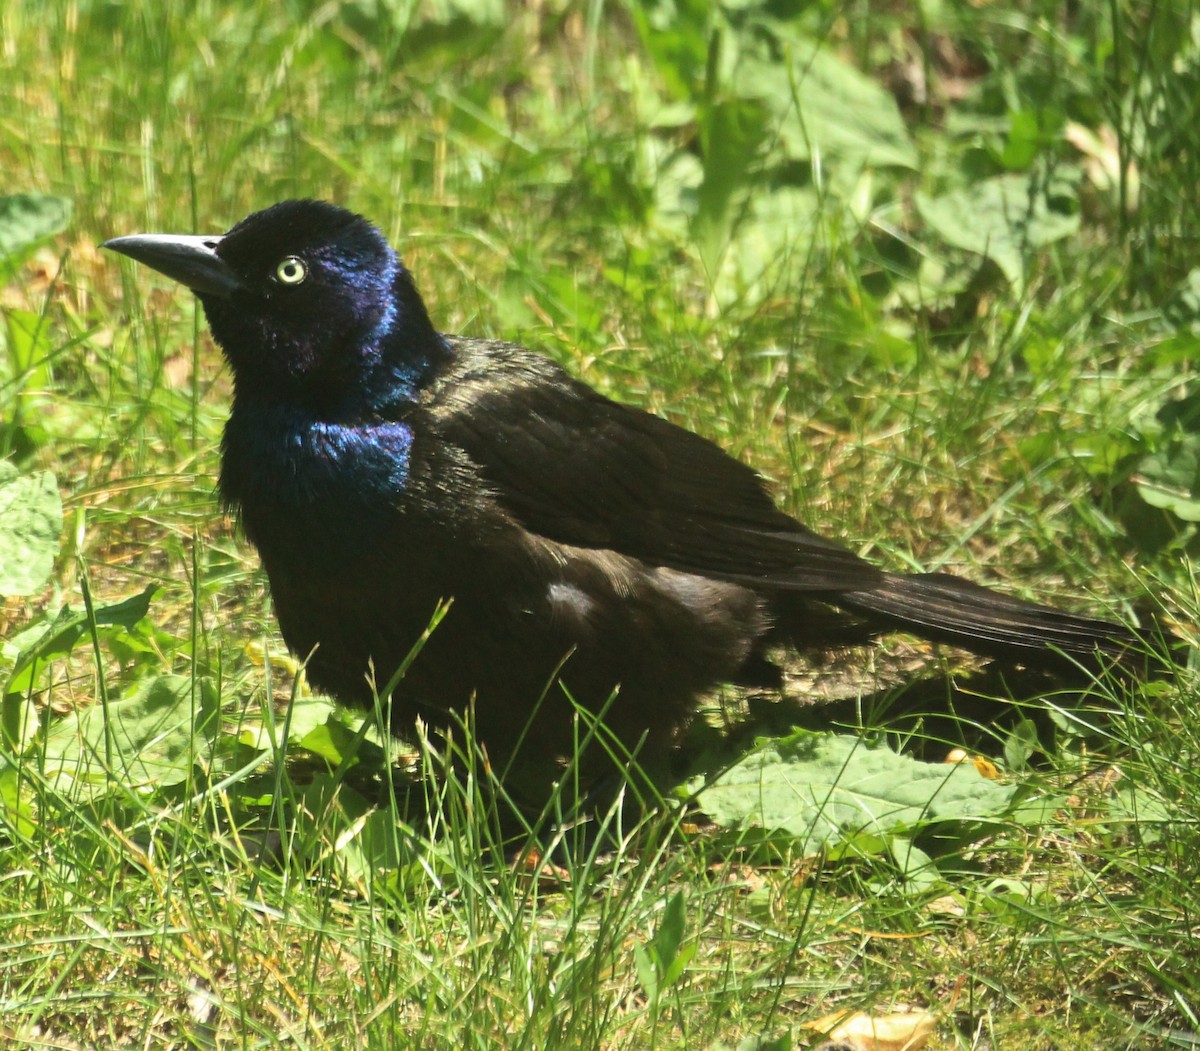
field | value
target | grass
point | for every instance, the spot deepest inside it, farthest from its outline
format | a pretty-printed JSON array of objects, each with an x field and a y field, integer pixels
[{"x": 607, "y": 183}]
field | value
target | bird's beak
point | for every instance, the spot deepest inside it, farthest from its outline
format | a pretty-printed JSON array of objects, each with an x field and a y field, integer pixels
[{"x": 192, "y": 261}]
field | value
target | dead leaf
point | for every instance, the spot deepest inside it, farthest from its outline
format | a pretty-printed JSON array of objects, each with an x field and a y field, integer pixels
[
  {"x": 985, "y": 767},
  {"x": 1102, "y": 163},
  {"x": 898, "y": 1031}
]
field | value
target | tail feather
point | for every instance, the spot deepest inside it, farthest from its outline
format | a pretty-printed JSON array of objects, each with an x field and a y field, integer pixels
[{"x": 944, "y": 608}]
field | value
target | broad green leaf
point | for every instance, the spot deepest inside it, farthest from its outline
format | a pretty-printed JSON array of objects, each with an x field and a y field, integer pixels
[
  {"x": 677, "y": 37},
  {"x": 154, "y": 737},
  {"x": 827, "y": 106},
  {"x": 1003, "y": 219},
  {"x": 15, "y": 811},
  {"x": 1020, "y": 897},
  {"x": 664, "y": 948},
  {"x": 824, "y": 789},
  {"x": 1020, "y": 744},
  {"x": 1182, "y": 309},
  {"x": 1147, "y": 815},
  {"x": 661, "y": 962},
  {"x": 646, "y": 971},
  {"x": 1169, "y": 477},
  {"x": 776, "y": 231},
  {"x": 32, "y": 648},
  {"x": 30, "y": 527},
  {"x": 914, "y": 864},
  {"x": 19, "y": 721},
  {"x": 731, "y": 133},
  {"x": 306, "y": 715},
  {"x": 26, "y": 218},
  {"x": 364, "y": 841},
  {"x": 338, "y": 743},
  {"x": 28, "y": 347},
  {"x": 1031, "y": 132}
]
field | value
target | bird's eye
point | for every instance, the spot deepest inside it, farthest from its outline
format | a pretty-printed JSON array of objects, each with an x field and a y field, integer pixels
[{"x": 291, "y": 271}]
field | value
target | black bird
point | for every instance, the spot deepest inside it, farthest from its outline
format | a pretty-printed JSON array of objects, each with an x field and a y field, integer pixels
[{"x": 382, "y": 468}]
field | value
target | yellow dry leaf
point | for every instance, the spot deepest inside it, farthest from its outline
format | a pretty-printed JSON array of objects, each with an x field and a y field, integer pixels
[
  {"x": 1102, "y": 159},
  {"x": 898, "y": 1031},
  {"x": 985, "y": 767}
]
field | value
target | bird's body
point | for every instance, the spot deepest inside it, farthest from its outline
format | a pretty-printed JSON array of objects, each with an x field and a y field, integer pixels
[
  {"x": 383, "y": 469},
  {"x": 321, "y": 501}
]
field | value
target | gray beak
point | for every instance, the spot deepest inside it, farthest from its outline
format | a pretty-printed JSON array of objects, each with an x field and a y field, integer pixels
[{"x": 190, "y": 260}]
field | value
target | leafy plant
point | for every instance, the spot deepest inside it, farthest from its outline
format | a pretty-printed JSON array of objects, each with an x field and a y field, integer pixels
[
  {"x": 662, "y": 960},
  {"x": 27, "y": 219},
  {"x": 1006, "y": 218},
  {"x": 30, "y": 528},
  {"x": 840, "y": 796}
]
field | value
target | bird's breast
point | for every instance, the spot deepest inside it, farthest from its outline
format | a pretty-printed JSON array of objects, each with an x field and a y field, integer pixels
[{"x": 315, "y": 487}]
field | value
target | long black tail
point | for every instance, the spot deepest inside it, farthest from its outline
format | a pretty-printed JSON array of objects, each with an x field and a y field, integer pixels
[{"x": 944, "y": 608}]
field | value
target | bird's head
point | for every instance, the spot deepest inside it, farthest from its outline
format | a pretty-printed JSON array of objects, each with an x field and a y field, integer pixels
[{"x": 306, "y": 299}]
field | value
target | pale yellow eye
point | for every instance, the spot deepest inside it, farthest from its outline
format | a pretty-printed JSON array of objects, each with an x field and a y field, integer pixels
[{"x": 291, "y": 271}]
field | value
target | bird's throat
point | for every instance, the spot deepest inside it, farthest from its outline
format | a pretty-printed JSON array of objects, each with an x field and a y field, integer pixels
[{"x": 284, "y": 473}]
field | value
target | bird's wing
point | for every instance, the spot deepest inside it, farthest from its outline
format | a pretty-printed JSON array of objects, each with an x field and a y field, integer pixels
[{"x": 577, "y": 468}]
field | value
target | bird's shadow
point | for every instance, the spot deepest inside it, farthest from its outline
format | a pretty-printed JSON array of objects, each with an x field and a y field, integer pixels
[{"x": 925, "y": 715}]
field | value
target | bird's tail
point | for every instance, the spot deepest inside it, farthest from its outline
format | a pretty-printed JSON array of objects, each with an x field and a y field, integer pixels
[{"x": 944, "y": 608}]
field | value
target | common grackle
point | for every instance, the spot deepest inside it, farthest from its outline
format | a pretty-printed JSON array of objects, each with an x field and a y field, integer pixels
[{"x": 382, "y": 468}]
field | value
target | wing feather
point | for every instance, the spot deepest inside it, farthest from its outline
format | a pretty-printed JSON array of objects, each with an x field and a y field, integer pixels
[{"x": 578, "y": 468}]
